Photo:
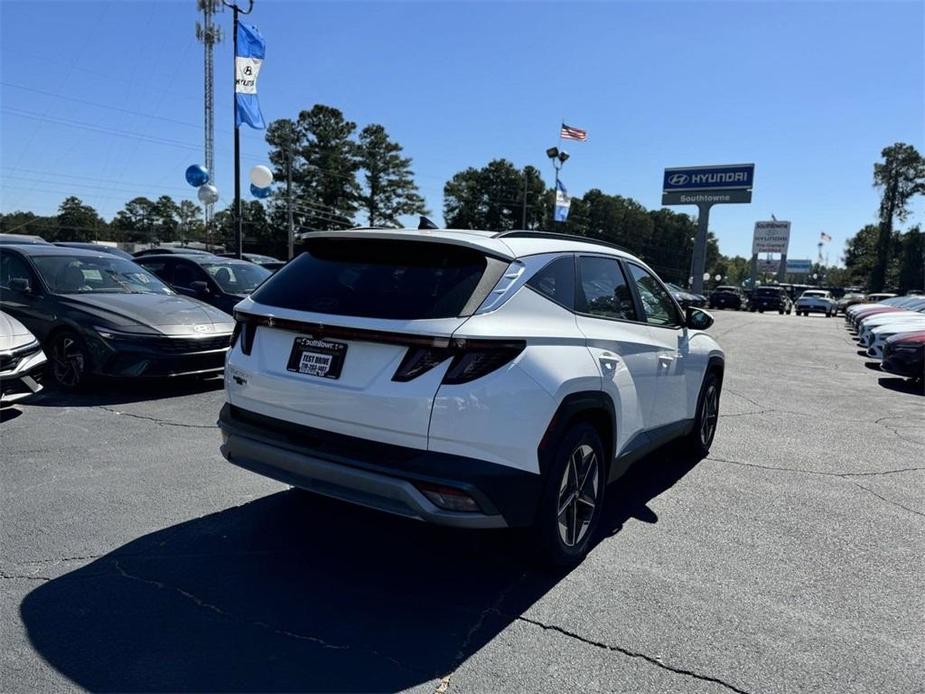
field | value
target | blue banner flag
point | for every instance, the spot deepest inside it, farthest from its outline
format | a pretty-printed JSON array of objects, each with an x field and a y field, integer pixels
[
  {"x": 247, "y": 62},
  {"x": 563, "y": 202}
]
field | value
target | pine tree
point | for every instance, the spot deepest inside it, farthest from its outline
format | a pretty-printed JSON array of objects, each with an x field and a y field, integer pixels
[{"x": 389, "y": 190}]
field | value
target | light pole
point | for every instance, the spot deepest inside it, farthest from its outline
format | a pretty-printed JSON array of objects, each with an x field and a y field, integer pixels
[
  {"x": 558, "y": 158},
  {"x": 238, "y": 221}
]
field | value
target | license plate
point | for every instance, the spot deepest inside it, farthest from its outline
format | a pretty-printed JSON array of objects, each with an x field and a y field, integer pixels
[{"x": 314, "y": 357}]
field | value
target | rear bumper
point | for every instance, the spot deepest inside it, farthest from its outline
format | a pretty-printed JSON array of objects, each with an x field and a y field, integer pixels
[{"x": 377, "y": 475}]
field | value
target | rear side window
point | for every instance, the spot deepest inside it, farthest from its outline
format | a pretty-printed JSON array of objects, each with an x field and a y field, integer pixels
[
  {"x": 376, "y": 278},
  {"x": 556, "y": 281},
  {"x": 604, "y": 291}
]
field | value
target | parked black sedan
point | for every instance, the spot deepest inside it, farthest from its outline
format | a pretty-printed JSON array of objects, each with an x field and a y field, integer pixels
[
  {"x": 222, "y": 282},
  {"x": 95, "y": 313}
]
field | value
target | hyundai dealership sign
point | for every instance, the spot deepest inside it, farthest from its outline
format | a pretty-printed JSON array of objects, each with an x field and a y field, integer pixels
[{"x": 692, "y": 185}]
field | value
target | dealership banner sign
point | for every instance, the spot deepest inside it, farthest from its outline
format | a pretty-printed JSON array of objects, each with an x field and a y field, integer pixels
[
  {"x": 768, "y": 267},
  {"x": 771, "y": 237},
  {"x": 796, "y": 266}
]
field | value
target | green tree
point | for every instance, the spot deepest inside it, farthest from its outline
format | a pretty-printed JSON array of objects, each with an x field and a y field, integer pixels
[
  {"x": 29, "y": 223},
  {"x": 166, "y": 222},
  {"x": 491, "y": 198},
  {"x": 324, "y": 165},
  {"x": 78, "y": 222},
  {"x": 901, "y": 175},
  {"x": 861, "y": 251},
  {"x": 190, "y": 223},
  {"x": 389, "y": 190},
  {"x": 137, "y": 220},
  {"x": 911, "y": 269}
]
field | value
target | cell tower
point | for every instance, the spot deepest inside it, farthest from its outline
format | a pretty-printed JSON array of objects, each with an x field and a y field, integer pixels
[{"x": 209, "y": 34}]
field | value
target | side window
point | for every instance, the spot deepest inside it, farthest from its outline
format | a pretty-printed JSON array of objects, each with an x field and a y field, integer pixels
[
  {"x": 159, "y": 268},
  {"x": 13, "y": 267},
  {"x": 556, "y": 281},
  {"x": 656, "y": 302},
  {"x": 185, "y": 273},
  {"x": 603, "y": 289}
]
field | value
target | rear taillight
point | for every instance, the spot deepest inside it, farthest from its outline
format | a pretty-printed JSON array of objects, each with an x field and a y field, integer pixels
[
  {"x": 472, "y": 359},
  {"x": 479, "y": 359},
  {"x": 245, "y": 331},
  {"x": 419, "y": 360}
]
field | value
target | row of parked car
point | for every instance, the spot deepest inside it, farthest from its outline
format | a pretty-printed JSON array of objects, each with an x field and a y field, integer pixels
[
  {"x": 73, "y": 310},
  {"x": 892, "y": 331}
]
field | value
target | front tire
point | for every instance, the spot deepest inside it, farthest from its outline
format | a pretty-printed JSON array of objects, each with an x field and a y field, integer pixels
[
  {"x": 68, "y": 361},
  {"x": 573, "y": 497},
  {"x": 701, "y": 437}
]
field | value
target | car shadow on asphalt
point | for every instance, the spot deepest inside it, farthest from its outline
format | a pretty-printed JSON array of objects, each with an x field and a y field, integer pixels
[
  {"x": 903, "y": 385},
  {"x": 8, "y": 413},
  {"x": 293, "y": 592},
  {"x": 124, "y": 391}
]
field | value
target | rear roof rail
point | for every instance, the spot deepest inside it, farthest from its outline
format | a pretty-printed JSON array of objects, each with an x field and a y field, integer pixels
[{"x": 526, "y": 234}]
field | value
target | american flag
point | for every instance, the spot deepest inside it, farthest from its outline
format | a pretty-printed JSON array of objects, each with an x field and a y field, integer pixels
[
  {"x": 824, "y": 237},
  {"x": 570, "y": 133}
]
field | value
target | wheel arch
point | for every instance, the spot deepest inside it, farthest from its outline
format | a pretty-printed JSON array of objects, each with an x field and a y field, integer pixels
[{"x": 594, "y": 407}]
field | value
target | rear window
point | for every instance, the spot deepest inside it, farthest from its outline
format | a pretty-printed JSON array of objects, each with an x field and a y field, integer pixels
[{"x": 375, "y": 278}]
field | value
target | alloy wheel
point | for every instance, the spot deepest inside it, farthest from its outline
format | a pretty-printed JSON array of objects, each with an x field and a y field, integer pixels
[
  {"x": 68, "y": 362},
  {"x": 709, "y": 415},
  {"x": 578, "y": 495}
]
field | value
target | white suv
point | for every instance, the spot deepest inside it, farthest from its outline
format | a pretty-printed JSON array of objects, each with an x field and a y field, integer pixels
[{"x": 466, "y": 378}]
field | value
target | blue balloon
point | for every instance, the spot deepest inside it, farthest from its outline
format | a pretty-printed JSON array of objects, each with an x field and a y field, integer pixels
[
  {"x": 197, "y": 175},
  {"x": 260, "y": 192}
]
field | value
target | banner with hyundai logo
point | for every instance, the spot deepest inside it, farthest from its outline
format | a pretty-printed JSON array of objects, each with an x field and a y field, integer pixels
[
  {"x": 247, "y": 62},
  {"x": 563, "y": 202},
  {"x": 709, "y": 178}
]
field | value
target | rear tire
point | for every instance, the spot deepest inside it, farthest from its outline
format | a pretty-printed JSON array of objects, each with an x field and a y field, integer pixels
[
  {"x": 573, "y": 497},
  {"x": 701, "y": 437}
]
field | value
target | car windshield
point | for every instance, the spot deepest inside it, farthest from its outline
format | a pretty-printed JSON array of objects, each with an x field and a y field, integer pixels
[
  {"x": 237, "y": 277},
  {"x": 83, "y": 275}
]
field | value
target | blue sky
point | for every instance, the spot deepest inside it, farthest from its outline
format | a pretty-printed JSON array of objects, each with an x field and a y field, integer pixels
[{"x": 103, "y": 99}]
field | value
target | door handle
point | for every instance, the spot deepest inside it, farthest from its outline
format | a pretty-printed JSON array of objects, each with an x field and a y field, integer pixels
[{"x": 665, "y": 359}]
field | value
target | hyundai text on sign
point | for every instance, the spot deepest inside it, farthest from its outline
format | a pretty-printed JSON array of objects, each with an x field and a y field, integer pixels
[
  {"x": 711, "y": 178},
  {"x": 771, "y": 237}
]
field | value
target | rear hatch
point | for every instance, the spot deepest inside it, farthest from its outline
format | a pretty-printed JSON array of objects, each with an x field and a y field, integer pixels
[{"x": 351, "y": 336}]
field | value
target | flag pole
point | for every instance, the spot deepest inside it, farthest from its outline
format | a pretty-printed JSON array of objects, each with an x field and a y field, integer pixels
[{"x": 238, "y": 219}]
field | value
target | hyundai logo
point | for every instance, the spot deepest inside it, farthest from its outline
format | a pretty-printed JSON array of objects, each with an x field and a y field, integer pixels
[
  {"x": 203, "y": 328},
  {"x": 678, "y": 179}
]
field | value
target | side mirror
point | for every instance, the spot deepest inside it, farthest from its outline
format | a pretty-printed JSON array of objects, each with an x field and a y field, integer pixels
[
  {"x": 199, "y": 287},
  {"x": 21, "y": 285},
  {"x": 697, "y": 319}
]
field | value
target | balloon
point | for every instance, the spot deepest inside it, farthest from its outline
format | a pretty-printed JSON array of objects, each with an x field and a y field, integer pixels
[
  {"x": 197, "y": 175},
  {"x": 261, "y": 176},
  {"x": 208, "y": 194},
  {"x": 260, "y": 192}
]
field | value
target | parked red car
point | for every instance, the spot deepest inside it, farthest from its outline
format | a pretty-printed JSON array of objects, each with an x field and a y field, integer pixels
[{"x": 904, "y": 355}]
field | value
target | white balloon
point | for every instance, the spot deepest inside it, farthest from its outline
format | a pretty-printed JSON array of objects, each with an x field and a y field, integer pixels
[
  {"x": 261, "y": 176},
  {"x": 208, "y": 194}
]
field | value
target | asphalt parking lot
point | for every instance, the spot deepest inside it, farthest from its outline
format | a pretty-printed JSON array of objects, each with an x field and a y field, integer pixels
[{"x": 791, "y": 559}]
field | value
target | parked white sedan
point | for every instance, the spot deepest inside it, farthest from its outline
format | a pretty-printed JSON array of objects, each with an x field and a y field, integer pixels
[
  {"x": 21, "y": 361},
  {"x": 815, "y": 301}
]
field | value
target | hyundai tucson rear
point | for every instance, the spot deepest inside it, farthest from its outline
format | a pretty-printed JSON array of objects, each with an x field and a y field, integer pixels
[{"x": 466, "y": 378}]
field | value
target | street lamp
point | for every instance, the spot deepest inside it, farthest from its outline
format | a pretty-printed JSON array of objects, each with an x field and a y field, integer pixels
[{"x": 558, "y": 157}]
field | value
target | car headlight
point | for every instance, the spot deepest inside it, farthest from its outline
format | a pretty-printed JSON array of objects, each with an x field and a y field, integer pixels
[{"x": 112, "y": 334}]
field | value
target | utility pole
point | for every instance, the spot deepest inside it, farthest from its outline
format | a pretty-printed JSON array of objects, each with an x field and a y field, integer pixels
[
  {"x": 209, "y": 34},
  {"x": 238, "y": 218},
  {"x": 523, "y": 224},
  {"x": 289, "y": 201}
]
